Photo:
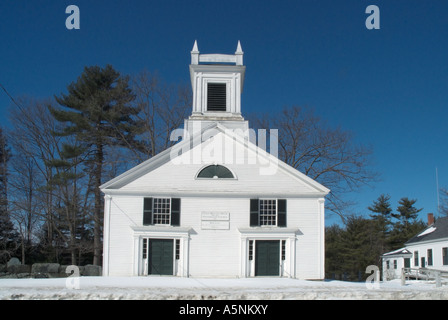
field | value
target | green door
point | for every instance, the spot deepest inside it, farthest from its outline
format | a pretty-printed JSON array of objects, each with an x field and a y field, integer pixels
[
  {"x": 160, "y": 256},
  {"x": 267, "y": 257}
]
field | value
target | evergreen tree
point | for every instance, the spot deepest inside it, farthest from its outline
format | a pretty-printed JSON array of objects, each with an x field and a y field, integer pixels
[
  {"x": 407, "y": 225},
  {"x": 382, "y": 207},
  {"x": 333, "y": 247},
  {"x": 351, "y": 249},
  {"x": 407, "y": 213},
  {"x": 98, "y": 112},
  {"x": 382, "y": 221}
]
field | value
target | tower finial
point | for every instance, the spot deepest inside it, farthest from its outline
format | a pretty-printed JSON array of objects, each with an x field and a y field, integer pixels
[
  {"x": 238, "y": 48},
  {"x": 239, "y": 54},
  {"x": 195, "y": 53},
  {"x": 195, "y": 47}
]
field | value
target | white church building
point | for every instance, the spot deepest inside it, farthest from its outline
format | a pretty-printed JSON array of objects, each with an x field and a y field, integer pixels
[{"x": 215, "y": 204}]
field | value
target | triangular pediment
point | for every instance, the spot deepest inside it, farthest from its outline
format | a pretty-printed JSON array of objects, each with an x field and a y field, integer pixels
[{"x": 175, "y": 170}]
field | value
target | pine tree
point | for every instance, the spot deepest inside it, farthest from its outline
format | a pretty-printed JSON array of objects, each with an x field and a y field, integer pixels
[
  {"x": 407, "y": 213},
  {"x": 407, "y": 225},
  {"x": 98, "y": 112},
  {"x": 382, "y": 221},
  {"x": 382, "y": 207}
]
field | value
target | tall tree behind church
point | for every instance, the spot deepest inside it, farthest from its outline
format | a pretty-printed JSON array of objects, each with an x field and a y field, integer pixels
[
  {"x": 98, "y": 111},
  {"x": 328, "y": 155},
  {"x": 8, "y": 235}
]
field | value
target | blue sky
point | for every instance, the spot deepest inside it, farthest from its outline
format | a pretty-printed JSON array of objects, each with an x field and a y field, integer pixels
[{"x": 388, "y": 86}]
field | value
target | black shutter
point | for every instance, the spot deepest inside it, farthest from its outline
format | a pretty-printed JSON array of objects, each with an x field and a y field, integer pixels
[
  {"x": 254, "y": 213},
  {"x": 175, "y": 212},
  {"x": 147, "y": 211},
  {"x": 281, "y": 212}
]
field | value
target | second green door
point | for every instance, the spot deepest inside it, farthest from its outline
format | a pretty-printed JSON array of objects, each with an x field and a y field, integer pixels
[
  {"x": 160, "y": 256},
  {"x": 267, "y": 257}
]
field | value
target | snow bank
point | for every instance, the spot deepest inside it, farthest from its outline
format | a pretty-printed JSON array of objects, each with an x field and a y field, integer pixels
[{"x": 170, "y": 288}]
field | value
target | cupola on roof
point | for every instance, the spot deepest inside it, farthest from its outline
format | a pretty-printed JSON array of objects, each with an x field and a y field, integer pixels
[{"x": 217, "y": 83}]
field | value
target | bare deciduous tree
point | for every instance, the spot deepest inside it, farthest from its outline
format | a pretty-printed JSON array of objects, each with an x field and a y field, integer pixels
[
  {"x": 329, "y": 156},
  {"x": 163, "y": 108},
  {"x": 46, "y": 193},
  {"x": 443, "y": 209}
]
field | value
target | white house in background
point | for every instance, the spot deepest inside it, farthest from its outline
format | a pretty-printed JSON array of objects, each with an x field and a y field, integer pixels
[
  {"x": 215, "y": 204},
  {"x": 428, "y": 249}
]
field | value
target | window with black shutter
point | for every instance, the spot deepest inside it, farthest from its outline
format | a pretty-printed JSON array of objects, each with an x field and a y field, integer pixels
[
  {"x": 165, "y": 211},
  {"x": 216, "y": 97},
  {"x": 268, "y": 212}
]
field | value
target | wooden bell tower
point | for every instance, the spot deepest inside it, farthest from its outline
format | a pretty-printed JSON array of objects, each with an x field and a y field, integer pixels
[{"x": 217, "y": 82}]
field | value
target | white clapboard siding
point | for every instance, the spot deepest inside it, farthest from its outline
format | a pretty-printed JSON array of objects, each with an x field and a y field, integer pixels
[
  {"x": 215, "y": 252},
  {"x": 125, "y": 212},
  {"x": 180, "y": 175}
]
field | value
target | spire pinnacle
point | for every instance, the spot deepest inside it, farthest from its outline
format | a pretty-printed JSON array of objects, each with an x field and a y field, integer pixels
[
  {"x": 239, "y": 54},
  {"x": 195, "y": 53},
  {"x": 195, "y": 47},
  {"x": 238, "y": 49}
]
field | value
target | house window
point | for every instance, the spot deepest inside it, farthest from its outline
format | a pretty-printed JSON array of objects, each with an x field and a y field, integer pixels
[
  {"x": 215, "y": 172},
  {"x": 395, "y": 264},
  {"x": 387, "y": 264},
  {"x": 429, "y": 257},
  {"x": 216, "y": 97},
  {"x": 416, "y": 258},
  {"x": 445, "y": 256},
  {"x": 268, "y": 212},
  {"x": 161, "y": 211}
]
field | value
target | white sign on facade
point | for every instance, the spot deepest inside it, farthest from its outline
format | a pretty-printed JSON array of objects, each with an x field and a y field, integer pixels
[{"x": 215, "y": 220}]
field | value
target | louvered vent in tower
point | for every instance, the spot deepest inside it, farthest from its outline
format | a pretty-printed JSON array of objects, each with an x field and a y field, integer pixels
[{"x": 216, "y": 96}]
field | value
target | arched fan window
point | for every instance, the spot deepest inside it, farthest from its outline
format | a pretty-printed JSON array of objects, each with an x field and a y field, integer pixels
[{"x": 216, "y": 171}]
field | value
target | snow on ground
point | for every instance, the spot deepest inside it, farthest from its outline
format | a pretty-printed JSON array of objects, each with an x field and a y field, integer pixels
[{"x": 171, "y": 288}]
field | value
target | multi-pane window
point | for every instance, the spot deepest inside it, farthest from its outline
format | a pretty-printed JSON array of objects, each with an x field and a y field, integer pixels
[
  {"x": 251, "y": 249},
  {"x": 429, "y": 257},
  {"x": 161, "y": 210},
  {"x": 445, "y": 256},
  {"x": 416, "y": 258},
  {"x": 268, "y": 212},
  {"x": 283, "y": 250},
  {"x": 145, "y": 248},
  {"x": 177, "y": 249}
]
